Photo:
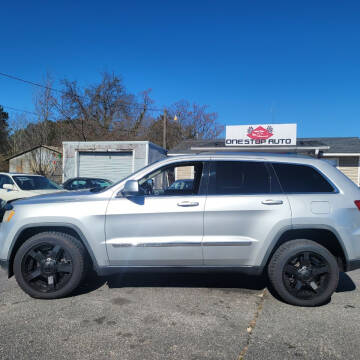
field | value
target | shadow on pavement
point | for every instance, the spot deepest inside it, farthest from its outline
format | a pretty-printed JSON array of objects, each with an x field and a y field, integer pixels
[
  {"x": 189, "y": 279},
  {"x": 173, "y": 279},
  {"x": 179, "y": 279}
]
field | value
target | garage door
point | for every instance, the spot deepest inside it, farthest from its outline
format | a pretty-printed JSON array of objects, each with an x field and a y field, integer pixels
[{"x": 108, "y": 165}]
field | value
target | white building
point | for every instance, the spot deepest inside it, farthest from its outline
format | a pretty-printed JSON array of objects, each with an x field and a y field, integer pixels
[{"x": 111, "y": 160}]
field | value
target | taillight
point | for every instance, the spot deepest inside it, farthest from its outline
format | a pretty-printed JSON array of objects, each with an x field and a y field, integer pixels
[{"x": 357, "y": 203}]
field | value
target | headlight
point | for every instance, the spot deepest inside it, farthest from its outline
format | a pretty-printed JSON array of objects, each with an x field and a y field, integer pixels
[
  {"x": 8, "y": 215},
  {"x": 7, "y": 210}
]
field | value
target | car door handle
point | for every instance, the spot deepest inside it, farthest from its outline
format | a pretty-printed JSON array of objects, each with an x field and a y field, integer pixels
[
  {"x": 272, "y": 202},
  {"x": 187, "y": 203}
]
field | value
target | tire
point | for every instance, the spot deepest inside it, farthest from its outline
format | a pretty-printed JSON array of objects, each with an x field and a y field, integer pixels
[
  {"x": 50, "y": 265},
  {"x": 303, "y": 273}
]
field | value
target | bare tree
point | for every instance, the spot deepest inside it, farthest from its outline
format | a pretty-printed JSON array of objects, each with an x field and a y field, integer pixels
[
  {"x": 40, "y": 129},
  {"x": 44, "y": 132},
  {"x": 195, "y": 121},
  {"x": 185, "y": 121},
  {"x": 102, "y": 111},
  {"x": 45, "y": 162},
  {"x": 3, "y": 164},
  {"x": 17, "y": 142},
  {"x": 107, "y": 111},
  {"x": 30, "y": 133}
]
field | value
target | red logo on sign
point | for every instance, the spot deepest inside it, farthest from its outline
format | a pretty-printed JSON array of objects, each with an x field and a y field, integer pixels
[{"x": 260, "y": 132}]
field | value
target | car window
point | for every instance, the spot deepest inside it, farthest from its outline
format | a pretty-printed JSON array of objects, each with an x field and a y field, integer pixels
[
  {"x": 100, "y": 182},
  {"x": 26, "y": 182},
  {"x": 296, "y": 178},
  {"x": 4, "y": 179},
  {"x": 177, "y": 179},
  {"x": 78, "y": 184},
  {"x": 239, "y": 178}
]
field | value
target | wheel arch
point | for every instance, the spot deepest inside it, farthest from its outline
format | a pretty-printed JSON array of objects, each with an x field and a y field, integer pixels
[
  {"x": 325, "y": 236},
  {"x": 30, "y": 230}
]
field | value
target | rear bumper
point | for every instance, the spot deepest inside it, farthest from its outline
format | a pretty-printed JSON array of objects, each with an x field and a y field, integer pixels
[{"x": 353, "y": 265}]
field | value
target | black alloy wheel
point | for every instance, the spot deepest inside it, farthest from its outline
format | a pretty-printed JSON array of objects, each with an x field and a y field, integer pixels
[
  {"x": 303, "y": 273},
  {"x": 306, "y": 275},
  {"x": 47, "y": 268},
  {"x": 50, "y": 265}
]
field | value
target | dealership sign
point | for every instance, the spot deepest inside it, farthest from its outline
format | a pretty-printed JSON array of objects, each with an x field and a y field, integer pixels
[{"x": 269, "y": 134}]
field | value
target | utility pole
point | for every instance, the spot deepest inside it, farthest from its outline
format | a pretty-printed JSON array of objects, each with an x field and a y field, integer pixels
[{"x": 164, "y": 129}]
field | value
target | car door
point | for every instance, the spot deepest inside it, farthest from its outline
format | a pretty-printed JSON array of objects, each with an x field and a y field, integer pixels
[
  {"x": 245, "y": 209},
  {"x": 164, "y": 225}
]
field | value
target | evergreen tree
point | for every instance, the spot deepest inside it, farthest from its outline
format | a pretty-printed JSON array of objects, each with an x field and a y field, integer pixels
[{"x": 4, "y": 131}]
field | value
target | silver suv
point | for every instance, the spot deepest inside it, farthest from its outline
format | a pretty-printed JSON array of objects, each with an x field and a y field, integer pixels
[{"x": 296, "y": 217}]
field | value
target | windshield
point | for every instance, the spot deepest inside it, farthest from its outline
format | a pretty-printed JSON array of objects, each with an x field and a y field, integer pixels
[{"x": 35, "y": 183}]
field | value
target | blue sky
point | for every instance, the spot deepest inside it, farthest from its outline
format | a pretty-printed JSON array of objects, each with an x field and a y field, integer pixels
[{"x": 251, "y": 61}]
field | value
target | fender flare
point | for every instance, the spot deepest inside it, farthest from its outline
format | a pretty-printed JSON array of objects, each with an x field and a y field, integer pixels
[
  {"x": 282, "y": 231},
  {"x": 51, "y": 225}
]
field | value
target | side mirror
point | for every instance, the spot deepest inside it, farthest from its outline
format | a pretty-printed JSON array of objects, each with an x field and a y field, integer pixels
[
  {"x": 131, "y": 188},
  {"x": 9, "y": 187}
]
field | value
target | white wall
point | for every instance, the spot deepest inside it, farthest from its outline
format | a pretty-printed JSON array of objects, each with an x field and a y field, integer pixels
[{"x": 144, "y": 153}]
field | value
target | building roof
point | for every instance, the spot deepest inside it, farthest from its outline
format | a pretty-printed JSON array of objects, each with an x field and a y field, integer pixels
[
  {"x": 333, "y": 145},
  {"x": 18, "y": 174},
  {"x": 338, "y": 144},
  {"x": 51, "y": 148}
]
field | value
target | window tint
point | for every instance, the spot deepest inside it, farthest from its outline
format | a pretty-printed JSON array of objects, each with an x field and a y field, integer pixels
[
  {"x": 301, "y": 179},
  {"x": 5, "y": 180},
  {"x": 78, "y": 184},
  {"x": 179, "y": 179},
  {"x": 34, "y": 183},
  {"x": 239, "y": 177},
  {"x": 100, "y": 183}
]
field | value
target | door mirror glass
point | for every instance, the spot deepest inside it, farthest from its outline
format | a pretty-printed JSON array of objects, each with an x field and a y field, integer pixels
[
  {"x": 9, "y": 187},
  {"x": 131, "y": 188}
]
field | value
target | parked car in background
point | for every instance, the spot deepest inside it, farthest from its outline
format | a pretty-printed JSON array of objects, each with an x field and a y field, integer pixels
[
  {"x": 17, "y": 186},
  {"x": 82, "y": 183}
]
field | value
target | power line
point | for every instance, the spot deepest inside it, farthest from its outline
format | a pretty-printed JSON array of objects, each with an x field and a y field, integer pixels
[
  {"x": 30, "y": 82},
  {"x": 12, "y": 77},
  {"x": 25, "y": 111},
  {"x": 19, "y": 110}
]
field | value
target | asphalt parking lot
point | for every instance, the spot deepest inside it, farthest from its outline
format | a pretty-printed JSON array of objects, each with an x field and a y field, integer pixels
[{"x": 178, "y": 316}]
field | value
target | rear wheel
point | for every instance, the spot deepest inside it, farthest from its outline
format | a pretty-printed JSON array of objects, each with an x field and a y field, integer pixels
[
  {"x": 303, "y": 273},
  {"x": 50, "y": 265}
]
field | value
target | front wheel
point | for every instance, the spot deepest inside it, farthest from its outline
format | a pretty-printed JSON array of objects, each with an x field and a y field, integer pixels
[
  {"x": 303, "y": 273},
  {"x": 50, "y": 265}
]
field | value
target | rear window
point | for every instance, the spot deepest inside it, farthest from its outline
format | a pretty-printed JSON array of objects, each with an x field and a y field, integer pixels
[
  {"x": 296, "y": 178},
  {"x": 239, "y": 177}
]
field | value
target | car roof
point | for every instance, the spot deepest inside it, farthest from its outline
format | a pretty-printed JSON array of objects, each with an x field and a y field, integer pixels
[
  {"x": 87, "y": 178},
  {"x": 291, "y": 157},
  {"x": 243, "y": 153}
]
